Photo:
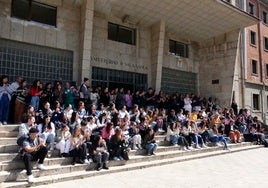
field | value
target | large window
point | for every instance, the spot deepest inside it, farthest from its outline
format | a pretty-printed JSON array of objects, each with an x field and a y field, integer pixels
[
  {"x": 178, "y": 48},
  {"x": 256, "y": 105},
  {"x": 254, "y": 67},
  {"x": 121, "y": 34},
  {"x": 115, "y": 79},
  {"x": 35, "y": 62},
  {"x": 34, "y": 11},
  {"x": 252, "y": 37}
]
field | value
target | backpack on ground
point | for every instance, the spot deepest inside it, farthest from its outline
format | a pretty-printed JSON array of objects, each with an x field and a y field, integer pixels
[{"x": 265, "y": 142}]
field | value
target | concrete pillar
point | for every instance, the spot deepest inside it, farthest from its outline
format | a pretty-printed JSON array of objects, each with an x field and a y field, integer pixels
[
  {"x": 158, "y": 39},
  {"x": 87, "y": 15}
]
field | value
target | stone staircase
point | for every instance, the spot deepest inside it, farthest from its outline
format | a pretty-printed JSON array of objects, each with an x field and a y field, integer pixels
[{"x": 12, "y": 172}]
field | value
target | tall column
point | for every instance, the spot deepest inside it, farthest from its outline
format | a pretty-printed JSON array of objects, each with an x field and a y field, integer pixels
[
  {"x": 158, "y": 40},
  {"x": 87, "y": 14}
]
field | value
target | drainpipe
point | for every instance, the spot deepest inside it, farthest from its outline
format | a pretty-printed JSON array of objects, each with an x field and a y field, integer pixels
[{"x": 261, "y": 64}]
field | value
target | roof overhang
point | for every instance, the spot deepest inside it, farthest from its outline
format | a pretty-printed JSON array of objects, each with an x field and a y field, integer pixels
[{"x": 196, "y": 20}]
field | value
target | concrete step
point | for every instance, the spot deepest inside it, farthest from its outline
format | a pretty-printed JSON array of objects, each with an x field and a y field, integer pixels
[
  {"x": 9, "y": 128},
  {"x": 9, "y": 148},
  {"x": 6, "y": 134},
  {"x": 8, "y": 141},
  {"x": 162, "y": 153},
  {"x": 58, "y": 177}
]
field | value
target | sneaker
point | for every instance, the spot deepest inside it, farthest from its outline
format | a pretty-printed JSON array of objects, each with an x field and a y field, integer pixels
[
  {"x": 190, "y": 148},
  {"x": 49, "y": 154},
  {"x": 121, "y": 158},
  {"x": 153, "y": 153},
  {"x": 139, "y": 146},
  {"x": 135, "y": 148},
  {"x": 86, "y": 161},
  {"x": 116, "y": 159},
  {"x": 30, "y": 179},
  {"x": 204, "y": 146},
  {"x": 41, "y": 167},
  {"x": 105, "y": 166},
  {"x": 4, "y": 123}
]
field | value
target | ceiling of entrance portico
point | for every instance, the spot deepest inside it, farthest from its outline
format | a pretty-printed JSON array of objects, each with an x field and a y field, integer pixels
[{"x": 196, "y": 20}]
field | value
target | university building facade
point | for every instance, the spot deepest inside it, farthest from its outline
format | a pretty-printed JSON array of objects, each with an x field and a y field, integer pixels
[{"x": 174, "y": 46}]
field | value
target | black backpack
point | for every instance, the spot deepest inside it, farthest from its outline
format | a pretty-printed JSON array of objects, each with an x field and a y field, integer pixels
[{"x": 21, "y": 139}]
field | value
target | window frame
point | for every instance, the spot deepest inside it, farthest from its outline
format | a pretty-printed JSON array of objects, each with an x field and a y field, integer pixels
[
  {"x": 253, "y": 61},
  {"x": 264, "y": 17},
  {"x": 251, "y": 8},
  {"x": 253, "y": 43},
  {"x": 256, "y": 101},
  {"x": 175, "y": 51},
  {"x": 121, "y": 28},
  {"x": 265, "y": 43},
  {"x": 30, "y": 12}
]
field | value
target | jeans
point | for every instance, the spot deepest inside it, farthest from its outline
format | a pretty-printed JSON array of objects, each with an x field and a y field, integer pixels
[
  {"x": 219, "y": 138},
  {"x": 174, "y": 139},
  {"x": 35, "y": 102},
  {"x": 101, "y": 157},
  {"x": 79, "y": 152},
  {"x": 4, "y": 108},
  {"x": 29, "y": 157},
  {"x": 49, "y": 138},
  {"x": 150, "y": 148}
]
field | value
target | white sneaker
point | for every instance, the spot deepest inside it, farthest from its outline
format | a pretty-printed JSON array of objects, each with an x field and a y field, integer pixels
[
  {"x": 30, "y": 179},
  {"x": 4, "y": 123},
  {"x": 41, "y": 167},
  {"x": 116, "y": 159},
  {"x": 86, "y": 161},
  {"x": 135, "y": 148},
  {"x": 197, "y": 146},
  {"x": 204, "y": 146}
]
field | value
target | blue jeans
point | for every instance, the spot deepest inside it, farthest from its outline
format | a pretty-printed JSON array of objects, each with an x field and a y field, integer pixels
[
  {"x": 219, "y": 139},
  {"x": 35, "y": 102},
  {"x": 174, "y": 139},
  {"x": 4, "y": 108},
  {"x": 150, "y": 148}
]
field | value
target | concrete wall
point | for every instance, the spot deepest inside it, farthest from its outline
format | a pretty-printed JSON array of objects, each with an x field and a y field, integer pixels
[
  {"x": 64, "y": 36},
  {"x": 218, "y": 59}
]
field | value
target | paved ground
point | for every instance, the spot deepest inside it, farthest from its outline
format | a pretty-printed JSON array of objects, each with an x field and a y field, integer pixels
[{"x": 247, "y": 169}]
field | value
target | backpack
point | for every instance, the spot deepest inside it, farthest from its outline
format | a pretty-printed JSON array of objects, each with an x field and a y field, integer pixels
[
  {"x": 21, "y": 139},
  {"x": 265, "y": 142}
]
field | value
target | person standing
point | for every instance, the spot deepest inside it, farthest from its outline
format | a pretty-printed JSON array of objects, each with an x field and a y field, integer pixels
[
  {"x": 84, "y": 93},
  {"x": 20, "y": 102},
  {"x": 5, "y": 97},
  {"x": 35, "y": 93}
]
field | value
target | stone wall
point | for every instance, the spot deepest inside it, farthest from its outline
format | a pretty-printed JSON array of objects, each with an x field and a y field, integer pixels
[
  {"x": 218, "y": 60},
  {"x": 65, "y": 36}
]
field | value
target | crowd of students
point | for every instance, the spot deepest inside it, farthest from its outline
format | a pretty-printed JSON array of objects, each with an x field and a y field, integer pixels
[{"x": 103, "y": 124}]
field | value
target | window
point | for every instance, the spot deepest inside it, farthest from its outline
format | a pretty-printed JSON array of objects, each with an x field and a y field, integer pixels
[
  {"x": 34, "y": 11},
  {"x": 264, "y": 17},
  {"x": 256, "y": 102},
  {"x": 252, "y": 38},
  {"x": 251, "y": 8},
  {"x": 267, "y": 72},
  {"x": 121, "y": 34},
  {"x": 265, "y": 43},
  {"x": 254, "y": 67},
  {"x": 178, "y": 48}
]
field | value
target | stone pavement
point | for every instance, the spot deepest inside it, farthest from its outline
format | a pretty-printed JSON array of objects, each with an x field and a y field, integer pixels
[{"x": 247, "y": 169}]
